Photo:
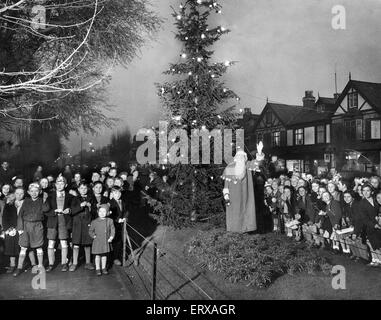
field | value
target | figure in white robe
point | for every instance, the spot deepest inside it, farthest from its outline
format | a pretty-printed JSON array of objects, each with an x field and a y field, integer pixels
[{"x": 239, "y": 195}]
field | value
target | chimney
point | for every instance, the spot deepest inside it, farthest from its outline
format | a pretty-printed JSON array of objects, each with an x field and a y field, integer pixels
[
  {"x": 247, "y": 110},
  {"x": 309, "y": 99}
]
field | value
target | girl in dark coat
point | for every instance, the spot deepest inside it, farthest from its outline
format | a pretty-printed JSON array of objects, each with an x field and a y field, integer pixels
[
  {"x": 10, "y": 220},
  {"x": 82, "y": 218},
  {"x": 368, "y": 210},
  {"x": 333, "y": 212}
]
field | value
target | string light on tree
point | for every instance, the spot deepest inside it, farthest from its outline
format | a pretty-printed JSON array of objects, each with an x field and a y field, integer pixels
[{"x": 199, "y": 102}]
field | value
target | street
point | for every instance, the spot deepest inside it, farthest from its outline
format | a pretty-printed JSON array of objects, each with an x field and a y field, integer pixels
[{"x": 79, "y": 285}]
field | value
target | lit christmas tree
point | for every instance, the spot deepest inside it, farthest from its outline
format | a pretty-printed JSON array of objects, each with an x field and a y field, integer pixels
[{"x": 197, "y": 99}]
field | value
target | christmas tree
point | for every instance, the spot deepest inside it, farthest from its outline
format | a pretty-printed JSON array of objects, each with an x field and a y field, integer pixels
[{"x": 196, "y": 99}]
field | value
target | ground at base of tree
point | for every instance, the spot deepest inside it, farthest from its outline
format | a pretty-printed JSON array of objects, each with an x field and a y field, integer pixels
[{"x": 181, "y": 276}]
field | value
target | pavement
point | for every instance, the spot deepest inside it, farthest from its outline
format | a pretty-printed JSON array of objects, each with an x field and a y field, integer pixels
[{"x": 79, "y": 285}]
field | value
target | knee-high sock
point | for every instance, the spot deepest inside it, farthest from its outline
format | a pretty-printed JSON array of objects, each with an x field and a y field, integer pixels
[
  {"x": 75, "y": 255},
  {"x": 87, "y": 254},
  {"x": 40, "y": 257},
  {"x": 32, "y": 257},
  {"x": 104, "y": 261},
  {"x": 97, "y": 262},
  {"x": 63, "y": 255},
  {"x": 13, "y": 261},
  {"x": 21, "y": 260},
  {"x": 51, "y": 256}
]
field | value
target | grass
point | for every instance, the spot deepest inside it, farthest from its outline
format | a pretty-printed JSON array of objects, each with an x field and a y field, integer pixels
[{"x": 256, "y": 260}]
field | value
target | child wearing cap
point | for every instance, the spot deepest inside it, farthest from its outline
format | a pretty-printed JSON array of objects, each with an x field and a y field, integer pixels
[
  {"x": 59, "y": 223},
  {"x": 102, "y": 231}
]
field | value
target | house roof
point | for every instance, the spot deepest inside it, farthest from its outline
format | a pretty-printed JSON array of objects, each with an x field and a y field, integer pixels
[
  {"x": 370, "y": 91},
  {"x": 292, "y": 115}
]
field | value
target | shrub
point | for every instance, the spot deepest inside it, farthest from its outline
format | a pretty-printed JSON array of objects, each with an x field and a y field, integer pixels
[{"x": 255, "y": 259}]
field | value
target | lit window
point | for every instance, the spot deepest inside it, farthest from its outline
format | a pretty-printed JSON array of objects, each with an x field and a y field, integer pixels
[
  {"x": 276, "y": 139},
  {"x": 299, "y": 136}
]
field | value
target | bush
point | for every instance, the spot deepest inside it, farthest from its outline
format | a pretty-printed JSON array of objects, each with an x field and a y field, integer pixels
[{"x": 255, "y": 259}]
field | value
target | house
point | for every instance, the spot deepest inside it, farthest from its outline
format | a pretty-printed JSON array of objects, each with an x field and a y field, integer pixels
[
  {"x": 299, "y": 134},
  {"x": 356, "y": 128}
]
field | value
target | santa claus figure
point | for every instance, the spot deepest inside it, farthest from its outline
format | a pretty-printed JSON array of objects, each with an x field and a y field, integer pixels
[{"x": 239, "y": 195}]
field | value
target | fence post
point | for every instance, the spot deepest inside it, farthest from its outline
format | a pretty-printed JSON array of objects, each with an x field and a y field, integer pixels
[
  {"x": 124, "y": 242},
  {"x": 154, "y": 265}
]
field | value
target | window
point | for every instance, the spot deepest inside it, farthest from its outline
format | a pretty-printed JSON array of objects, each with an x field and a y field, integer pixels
[
  {"x": 328, "y": 134},
  {"x": 269, "y": 117},
  {"x": 290, "y": 138},
  {"x": 299, "y": 136},
  {"x": 276, "y": 139},
  {"x": 350, "y": 129},
  {"x": 353, "y": 100},
  {"x": 375, "y": 129},
  {"x": 309, "y": 135},
  {"x": 320, "y": 134}
]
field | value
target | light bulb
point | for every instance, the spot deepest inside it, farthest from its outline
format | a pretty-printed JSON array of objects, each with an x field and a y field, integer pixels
[
  {"x": 223, "y": 29},
  {"x": 190, "y": 91},
  {"x": 199, "y": 59},
  {"x": 227, "y": 63},
  {"x": 203, "y": 36},
  {"x": 190, "y": 73},
  {"x": 178, "y": 17},
  {"x": 183, "y": 55}
]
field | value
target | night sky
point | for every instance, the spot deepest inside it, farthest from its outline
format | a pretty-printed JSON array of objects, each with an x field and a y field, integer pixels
[{"x": 283, "y": 48}]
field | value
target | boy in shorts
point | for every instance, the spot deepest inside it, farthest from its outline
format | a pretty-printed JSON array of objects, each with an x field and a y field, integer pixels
[{"x": 30, "y": 227}]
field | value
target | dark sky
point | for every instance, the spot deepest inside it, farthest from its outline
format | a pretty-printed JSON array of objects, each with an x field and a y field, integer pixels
[{"x": 283, "y": 48}]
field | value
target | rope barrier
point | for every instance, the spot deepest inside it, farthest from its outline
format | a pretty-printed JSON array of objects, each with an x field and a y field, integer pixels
[
  {"x": 161, "y": 274},
  {"x": 174, "y": 264}
]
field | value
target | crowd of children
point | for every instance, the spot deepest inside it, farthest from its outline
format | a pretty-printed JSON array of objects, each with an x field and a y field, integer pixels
[
  {"x": 331, "y": 213},
  {"x": 68, "y": 213}
]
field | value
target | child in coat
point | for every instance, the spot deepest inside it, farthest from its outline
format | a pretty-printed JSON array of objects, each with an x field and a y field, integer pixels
[
  {"x": 82, "y": 218},
  {"x": 102, "y": 231},
  {"x": 10, "y": 217},
  {"x": 119, "y": 215}
]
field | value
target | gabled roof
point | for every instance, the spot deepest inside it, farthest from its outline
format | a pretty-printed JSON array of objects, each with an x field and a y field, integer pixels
[
  {"x": 370, "y": 91},
  {"x": 284, "y": 112},
  {"x": 291, "y": 115}
]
